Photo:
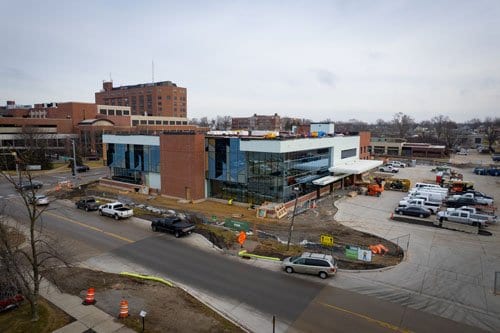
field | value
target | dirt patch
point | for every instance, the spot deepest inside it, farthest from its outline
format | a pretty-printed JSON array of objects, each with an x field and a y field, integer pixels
[
  {"x": 309, "y": 225},
  {"x": 169, "y": 309}
]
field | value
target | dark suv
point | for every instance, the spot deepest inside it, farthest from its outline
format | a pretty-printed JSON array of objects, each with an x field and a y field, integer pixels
[
  {"x": 29, "y": 185},
  {"x": 82, "y": 168},
  {"x": 87, "y": 204},
  {"x": 173, "y": 224}
]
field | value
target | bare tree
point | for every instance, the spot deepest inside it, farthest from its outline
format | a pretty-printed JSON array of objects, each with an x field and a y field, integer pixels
[
  {"x": 402, "y": 124},
  {"x": 492, "y": 130},
  {"x": 438, "y": 125},
  {"x": 20, "y": 263},
  {"x": 223, "y": 123}
]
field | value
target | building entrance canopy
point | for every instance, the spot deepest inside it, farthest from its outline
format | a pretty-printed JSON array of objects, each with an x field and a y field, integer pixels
[
  {"x": 356, "y": 167},
  {"x": 328, "y": 179}
]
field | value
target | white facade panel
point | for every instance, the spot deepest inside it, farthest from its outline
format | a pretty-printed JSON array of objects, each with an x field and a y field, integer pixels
[
  {"x": 286, "y": 146},
  {"x": 344, "y": 143},
  {"x": 154, "y": 180},
  {"x": 146, "y": 140}
]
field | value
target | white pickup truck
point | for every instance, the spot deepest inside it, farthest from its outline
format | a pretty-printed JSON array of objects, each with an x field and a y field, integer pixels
[
  {"x": 432, "y": 206},
  {"x": 117, "y": 210},
  {"x": 480, "y": 200},
  {"x": 490, "y": 218},
  {"x": 459, "y": 217}
]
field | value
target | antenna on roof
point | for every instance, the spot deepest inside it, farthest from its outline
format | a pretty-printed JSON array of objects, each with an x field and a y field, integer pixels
[
  {"x": 110, "y": 78},
  {"x": 152, "y": 72}
]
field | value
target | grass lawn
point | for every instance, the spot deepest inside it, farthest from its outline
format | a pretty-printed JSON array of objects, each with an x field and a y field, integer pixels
[{"x": 19, "y": 320}]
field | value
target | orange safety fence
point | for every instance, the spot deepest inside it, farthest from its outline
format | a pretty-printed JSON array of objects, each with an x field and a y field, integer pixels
[{"x": 378, "y": 249}]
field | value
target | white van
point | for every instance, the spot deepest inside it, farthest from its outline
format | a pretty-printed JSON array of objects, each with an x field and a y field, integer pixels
[
  {"x": 429, "y": 196},
  {"x": 419, "y": 185},
  {"x": 431, "y": 189}
]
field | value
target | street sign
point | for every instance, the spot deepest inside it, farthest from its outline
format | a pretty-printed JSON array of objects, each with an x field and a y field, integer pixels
[
  {"x": 143, "y": 313},
  {"x": 351, "y": 252},
  {"x": 326, "y": 240}
]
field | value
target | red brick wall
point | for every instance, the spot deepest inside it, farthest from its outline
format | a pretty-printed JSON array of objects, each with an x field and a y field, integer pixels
[
  {"x": 183, "y": 165},
  {"x": 364, "y": 143},
  {"x": 170, "y": 107},
  {"x": 64, "y": 126}
]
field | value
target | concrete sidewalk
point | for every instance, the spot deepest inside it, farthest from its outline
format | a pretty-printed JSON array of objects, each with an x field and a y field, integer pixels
[{"x": 87, "y": 316}]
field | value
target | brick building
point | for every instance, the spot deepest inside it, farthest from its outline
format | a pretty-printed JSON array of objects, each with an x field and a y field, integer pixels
[
  {"x": 152, "y": 99},
  {"x": 257, "y": 122}
]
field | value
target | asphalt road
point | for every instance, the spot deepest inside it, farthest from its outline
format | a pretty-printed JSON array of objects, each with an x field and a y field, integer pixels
[{"x": 305, "y": 305}]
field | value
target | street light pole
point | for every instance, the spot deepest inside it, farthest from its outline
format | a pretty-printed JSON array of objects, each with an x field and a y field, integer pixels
[
  {"x": 74, "y": 158},
  {"x": 293, "y": 218}
]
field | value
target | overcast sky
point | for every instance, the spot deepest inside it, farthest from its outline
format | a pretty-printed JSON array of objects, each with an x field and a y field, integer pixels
[{"x": 340, "y": 60}]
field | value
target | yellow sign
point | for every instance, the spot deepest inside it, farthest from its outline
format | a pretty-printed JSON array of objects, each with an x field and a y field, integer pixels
[{"x": 326, "y": 240}]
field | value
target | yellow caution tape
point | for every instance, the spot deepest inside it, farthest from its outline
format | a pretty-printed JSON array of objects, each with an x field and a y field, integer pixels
[{"x": 148, "y": 277}]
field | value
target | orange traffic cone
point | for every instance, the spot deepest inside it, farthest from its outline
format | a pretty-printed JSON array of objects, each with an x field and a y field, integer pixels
[
  {"x": 123, "y": 309},
  {"x": 90, "y": 297}
]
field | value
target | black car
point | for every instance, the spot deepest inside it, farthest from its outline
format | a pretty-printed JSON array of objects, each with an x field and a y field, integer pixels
[
  {"x": 413, "y": 211},
  {"x": 479, "y": 194},
  {"x": 173, "y": 224},
  {"x": 29, "y": 185},
  {"x": 82, "y": 168},
  {"x": 459, "y": 202},
  {"x": 87, "y": 204}
]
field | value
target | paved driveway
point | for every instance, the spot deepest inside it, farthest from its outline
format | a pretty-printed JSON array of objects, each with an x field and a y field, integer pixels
[{"x": 447, "y": 273}]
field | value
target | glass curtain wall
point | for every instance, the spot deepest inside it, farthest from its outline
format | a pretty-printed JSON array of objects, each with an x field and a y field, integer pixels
[
  {"x": 255, "y": 177},
  {"x": 129, "y": 163}
]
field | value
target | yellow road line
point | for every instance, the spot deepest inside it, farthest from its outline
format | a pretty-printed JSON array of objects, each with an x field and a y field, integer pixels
[
  {"x": 376, "y": 321},
  {"x": 90, "y": 227}
]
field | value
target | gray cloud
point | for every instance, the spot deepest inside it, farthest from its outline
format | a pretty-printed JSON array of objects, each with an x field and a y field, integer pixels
[{"x": 325, "y": 77}]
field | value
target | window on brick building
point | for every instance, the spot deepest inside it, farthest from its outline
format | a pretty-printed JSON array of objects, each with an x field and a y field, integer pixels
[
  {"x": 111, "y": 112},
  {"x": 135, "y": 122},
  {"x": 118, "y": 112}
]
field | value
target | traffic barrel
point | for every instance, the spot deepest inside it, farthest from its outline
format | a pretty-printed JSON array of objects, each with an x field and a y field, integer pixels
[
  {"x": 123, "y": 309},
  {"x": 89, "y": 300}
]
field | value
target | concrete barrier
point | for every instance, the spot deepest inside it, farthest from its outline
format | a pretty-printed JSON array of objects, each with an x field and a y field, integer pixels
[{"x": 461, "y": 227}]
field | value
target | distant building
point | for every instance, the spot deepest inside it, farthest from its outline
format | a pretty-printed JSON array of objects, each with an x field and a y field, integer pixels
[
  {"x": 54, "y": 125},
  {"x": 146, "y": 99},
  {"x": 399, "y": 147},
  {"x": 257, "y": 122}
]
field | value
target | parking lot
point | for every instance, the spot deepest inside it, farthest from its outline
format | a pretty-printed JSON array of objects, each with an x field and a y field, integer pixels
[{"x": 445, "y": 272}]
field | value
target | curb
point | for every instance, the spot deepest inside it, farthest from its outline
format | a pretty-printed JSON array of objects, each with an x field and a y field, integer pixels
[
  {"x": 148, "y": 277},
  {"x": 244, "y": 254}
]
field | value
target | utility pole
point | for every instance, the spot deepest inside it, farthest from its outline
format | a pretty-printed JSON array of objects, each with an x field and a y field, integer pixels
[
  {"x": 295, "y": 191},
  {"x": 74, "y": 158}
]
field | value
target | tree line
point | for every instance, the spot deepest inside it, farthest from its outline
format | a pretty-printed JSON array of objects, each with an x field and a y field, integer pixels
[{"x": 441, "y": 129}]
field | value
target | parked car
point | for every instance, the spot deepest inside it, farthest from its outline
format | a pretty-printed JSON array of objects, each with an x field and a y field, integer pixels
[
  {"x": 480, "y": 171},
  {"x": 82, "y": 168},
  {"x": 495, "y": 157},
  {"x": 413, "y": 211},
  {"x": 174, "y": 225},
  {"x": 388, "y": 168},
  {"x": 87, "y": 204},
  {"x": 397, "y": 164},
  {"x": 116, "y": 210},
  {"x": 494, "y": 171},
  {"x": 29, "y": 185},
  {"x": 319, "y": 264},
  {"x": 39, "y": 200},
  {"x": 462, "y": 152}
]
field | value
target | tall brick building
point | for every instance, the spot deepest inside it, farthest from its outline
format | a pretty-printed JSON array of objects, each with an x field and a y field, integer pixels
[{"x": 153, "y": 99}]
